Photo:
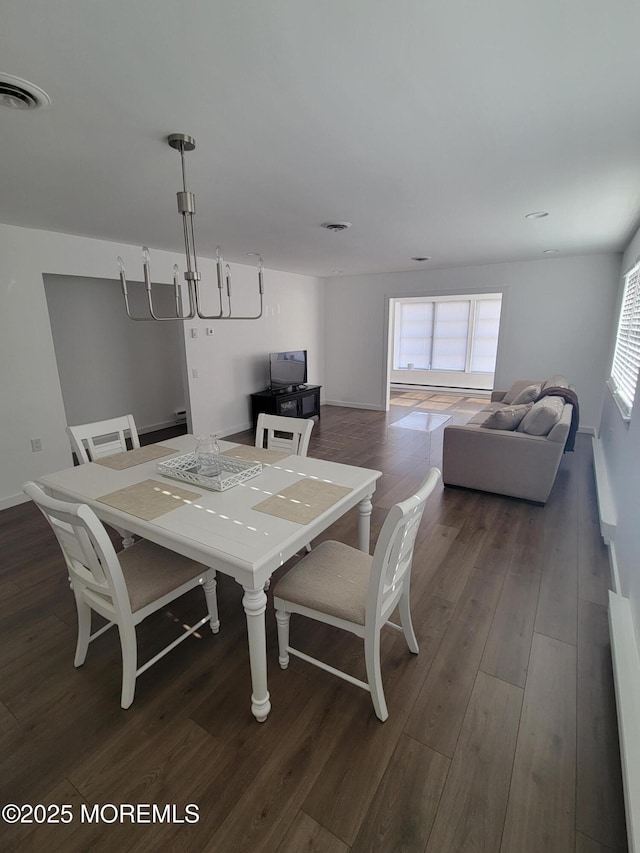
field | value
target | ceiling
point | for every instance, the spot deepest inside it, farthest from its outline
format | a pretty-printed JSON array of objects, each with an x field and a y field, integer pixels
[{"x": 433, "y": 127}]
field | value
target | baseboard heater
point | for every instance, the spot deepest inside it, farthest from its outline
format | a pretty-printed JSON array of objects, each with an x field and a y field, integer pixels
[
  {"x": 606, "y": 504},
  {"x": 626, "y": 671}
]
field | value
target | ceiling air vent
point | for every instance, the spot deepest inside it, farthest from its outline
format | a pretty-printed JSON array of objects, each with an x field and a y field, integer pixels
[
  {"x": 336, "y": 226},
  {"x": 19, "y": 94}
]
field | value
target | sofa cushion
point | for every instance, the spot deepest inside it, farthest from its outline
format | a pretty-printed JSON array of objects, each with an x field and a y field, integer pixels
[
  {"x": 542, "y": 417},
  {"x": 507, "y": 418},
  {"x": 528, "y": 395},
  {"x": 516, "y": 388}
]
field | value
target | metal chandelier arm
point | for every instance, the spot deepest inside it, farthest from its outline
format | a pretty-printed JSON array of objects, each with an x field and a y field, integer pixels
[
  {"x": 229, "y": 316},
  {"x": 125, "y": 293},
  {"x": 177, "y": 289}
]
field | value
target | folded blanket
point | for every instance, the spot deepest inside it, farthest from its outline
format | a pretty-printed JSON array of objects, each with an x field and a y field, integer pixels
[{"x": 568, "y": 396}]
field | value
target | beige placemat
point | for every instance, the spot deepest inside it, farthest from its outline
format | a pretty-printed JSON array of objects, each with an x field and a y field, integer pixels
[
  {"x": 149, "y": 499},
  {"x": 129, "y": 458},
  {"x": 303, "y": 501},
  {"x": 256, "y": 454}
]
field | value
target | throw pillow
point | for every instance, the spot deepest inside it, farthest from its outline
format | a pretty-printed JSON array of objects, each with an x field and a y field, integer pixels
[
  {"x": 544, "y": 415},
  {"x": 528, "y": 395},
  {"x": 506, "y": 418},
  {"x": 516, "y": 388}
]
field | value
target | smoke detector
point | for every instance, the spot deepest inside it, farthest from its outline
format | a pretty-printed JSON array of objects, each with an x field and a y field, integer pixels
[
  {"x": 18, "y": 94},
  {"x": 336, "y": 226}
]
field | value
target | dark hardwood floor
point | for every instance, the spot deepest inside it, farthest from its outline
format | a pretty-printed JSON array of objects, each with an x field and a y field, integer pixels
[{"x": 502, "y": 732}]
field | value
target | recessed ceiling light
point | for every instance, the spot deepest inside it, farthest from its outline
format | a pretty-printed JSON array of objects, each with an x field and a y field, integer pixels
[
  {"x": 537, "y": 214},
  {"x": 336, "y": 226},
  {"x": 254, "y": 254},
  {"x": 19, "y": 94},
  {"x": 549, "y": 251},
  {"x": 421, "y": 259}
]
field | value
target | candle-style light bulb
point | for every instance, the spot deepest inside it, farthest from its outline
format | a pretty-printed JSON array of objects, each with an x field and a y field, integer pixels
[
  {"x": 120, "y": 263},
  {"x": 146, "y": 255},
  {"x": 176, "y": 271},
  {"x": 219, "y": 267},
  {"x": 260, "y": 274}
]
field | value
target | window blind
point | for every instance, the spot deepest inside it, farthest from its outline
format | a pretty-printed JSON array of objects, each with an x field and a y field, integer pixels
[
  {"x": 626, "y": 357},
  {"x": 414, "y": 342},
  {"x": 485, "y": 338},
  {"x": 450, "y": 333}
]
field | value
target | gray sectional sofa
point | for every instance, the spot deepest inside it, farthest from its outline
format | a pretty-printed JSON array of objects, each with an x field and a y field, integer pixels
[{"x": 515, "y": 444}]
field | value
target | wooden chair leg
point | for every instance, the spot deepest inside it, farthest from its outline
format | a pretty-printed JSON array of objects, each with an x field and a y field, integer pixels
[
  {"x": 129, "y": 663},
  {"x": 210, "y": 586},
  {"x": 84, "y": 630},
  {"x": 282, "y": 618},
  {"x": 404, "y": 609},
  {"x": 374, "y": 675}
]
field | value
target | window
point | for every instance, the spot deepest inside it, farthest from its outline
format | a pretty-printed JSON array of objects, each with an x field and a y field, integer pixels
[
  {"x": 626, "y": 357},
  {"x": 447, "y": 333}
]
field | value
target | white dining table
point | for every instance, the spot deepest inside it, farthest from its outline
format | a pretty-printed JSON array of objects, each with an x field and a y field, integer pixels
[{"x": 223, "y": 531}]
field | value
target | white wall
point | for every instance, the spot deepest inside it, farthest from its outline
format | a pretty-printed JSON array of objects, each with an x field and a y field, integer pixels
[
  {"x": 32, "y": 405},
  {"x": 556, "y": 318},
  {"x": 620, "y": 442},
  {"x": 125, "y": 367},
  {"x": 234, "y": 361}
]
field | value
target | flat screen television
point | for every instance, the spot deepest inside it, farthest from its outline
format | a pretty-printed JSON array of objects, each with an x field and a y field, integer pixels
[{"x": 287, "y": 369}]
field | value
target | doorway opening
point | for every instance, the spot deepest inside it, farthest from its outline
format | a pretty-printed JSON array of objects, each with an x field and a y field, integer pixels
[{"x": 444, "y": 342}]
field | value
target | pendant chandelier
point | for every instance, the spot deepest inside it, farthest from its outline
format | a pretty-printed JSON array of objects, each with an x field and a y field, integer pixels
[{"x": 187, "y": 208}]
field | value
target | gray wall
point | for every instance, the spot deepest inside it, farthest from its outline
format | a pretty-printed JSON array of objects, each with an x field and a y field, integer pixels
[{"x": 108, "y": 364}]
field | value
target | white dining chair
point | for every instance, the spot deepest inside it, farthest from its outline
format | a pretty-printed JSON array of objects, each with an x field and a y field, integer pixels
[
  {"x": 124, "y": 588},
  {"x": 104, "y": 438},
  {"x": 287, "y": 434},
  {"x": 282, "y": 433},
  {"x": 344, "y": 587}
]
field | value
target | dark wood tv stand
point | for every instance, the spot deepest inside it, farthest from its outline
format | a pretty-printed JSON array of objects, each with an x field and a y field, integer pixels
[{"x": 299, "y": 403}]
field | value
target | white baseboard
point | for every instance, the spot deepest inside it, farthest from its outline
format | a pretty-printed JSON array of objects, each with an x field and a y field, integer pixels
[
  {"x": 626, "y": 670},
  {"x": 235, "y": 429},
  {"x": 161, "y": 425},
  {"x": 13, "y": 500},
  {"x": 349, "y": 405}
]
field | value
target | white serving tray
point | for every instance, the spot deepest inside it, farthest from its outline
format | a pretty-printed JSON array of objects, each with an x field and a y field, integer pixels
[{"x": 234, "y": 471}]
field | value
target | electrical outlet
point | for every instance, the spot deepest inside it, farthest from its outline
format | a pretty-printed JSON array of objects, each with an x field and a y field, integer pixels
[
  {"x": 194, "y": 373},
  {"x": 209, "y": 330},
  {"x": 36, "y": 444}
]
